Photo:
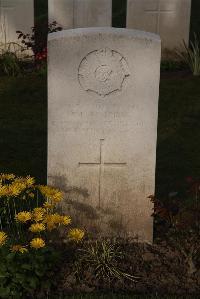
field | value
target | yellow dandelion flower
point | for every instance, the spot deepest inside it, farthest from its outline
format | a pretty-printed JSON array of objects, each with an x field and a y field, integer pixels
[
  {"x": 55, "y": 218},
  {"x": 7, "y": 176},
  {"x": 39, "y": 210},
  {"x": 52, "y": 193},
  {"x": 19, "y": 248},
  {"x": 37, "y": 227},
  {"x": 57, "y": 196},
  {"x": 66, "y": 220},
  {"x": 30, "y": 181},
  {"x": 37, "y": 243},
  {"x": 48, "y": 206},
  {"x": 50, "y": 225},
  {"x": 3, "y": 238},
  {"x": 38, "y": 214},
  {"x": 52, "y": 220},
  {"x": 4, "y": 191},
  {"x": 15, "y": 188},
  {"x": 23, "y": 216},
  {"x": 76, "y": 234}
]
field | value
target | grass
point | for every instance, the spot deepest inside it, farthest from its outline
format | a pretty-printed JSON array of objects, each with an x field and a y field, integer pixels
[
  {"x": 23, "y": 118},
  {"x": 178, "y": 133}
]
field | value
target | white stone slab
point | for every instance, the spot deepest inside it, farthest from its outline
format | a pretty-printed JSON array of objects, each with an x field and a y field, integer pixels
[
  {"x": 15, "y": 15},
  {"x": 102, "y": 126},
  {"x": 168, "y": 18},
  {"x": 81, "y": 13}
]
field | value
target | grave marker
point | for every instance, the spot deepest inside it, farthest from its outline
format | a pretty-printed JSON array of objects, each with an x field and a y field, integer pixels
[
  {"x": 81, "y": 13},
  {"x": 168, "y": 18},
  {"x": 15, "y": 15},
  {"x": 103, "y": 102}
]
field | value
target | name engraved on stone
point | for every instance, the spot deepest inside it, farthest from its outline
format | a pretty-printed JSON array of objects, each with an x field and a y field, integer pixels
[
  {"x": 103, "y": 72},
  {"x": 101, "y": 164}
]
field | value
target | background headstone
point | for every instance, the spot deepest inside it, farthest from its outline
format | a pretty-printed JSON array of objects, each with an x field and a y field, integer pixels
[
  {"x": 81, "y": 13},
  {"x": 168, "y": 18},
  {"x": 103, "y": 105},
  {"x": 15, "y": 15}
]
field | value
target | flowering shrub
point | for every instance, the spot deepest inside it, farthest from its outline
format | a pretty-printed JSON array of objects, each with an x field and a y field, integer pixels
[
  {"x": 28, "y": 219},
  {"x": 39, "y": 48},
  {"x": 41, "y": 56}
]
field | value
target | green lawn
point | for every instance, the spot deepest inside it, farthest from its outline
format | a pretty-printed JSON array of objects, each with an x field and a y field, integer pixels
[
  {"x": 178, "y": 133},
  {"x": 23, "y": 117}
]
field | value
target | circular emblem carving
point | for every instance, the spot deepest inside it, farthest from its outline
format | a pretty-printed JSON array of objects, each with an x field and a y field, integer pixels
[{"x": 103, "y": 72}]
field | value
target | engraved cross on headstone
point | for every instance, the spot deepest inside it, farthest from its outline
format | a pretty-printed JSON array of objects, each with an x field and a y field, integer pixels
[
  {"x": 101, "y": 164},
  {"x": 158, "y": 12}
]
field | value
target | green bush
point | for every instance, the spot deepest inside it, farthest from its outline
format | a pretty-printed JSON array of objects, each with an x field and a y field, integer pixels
[
  {"x": 27, "y": 275},
  {"x": 29, "y": 227}
]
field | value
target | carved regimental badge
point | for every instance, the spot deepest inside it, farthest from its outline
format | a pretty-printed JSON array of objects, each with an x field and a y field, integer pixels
[{"x": 103, "y": 72}]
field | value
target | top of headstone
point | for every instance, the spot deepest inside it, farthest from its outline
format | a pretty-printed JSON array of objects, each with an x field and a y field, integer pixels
[{"x": 129, "y": 33}]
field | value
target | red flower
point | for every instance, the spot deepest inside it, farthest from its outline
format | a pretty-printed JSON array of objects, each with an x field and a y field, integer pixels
[{"x": 189, "y": 179}]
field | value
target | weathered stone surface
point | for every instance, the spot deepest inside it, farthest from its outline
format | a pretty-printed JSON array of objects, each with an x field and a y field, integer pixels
[
  {"x": 15, "y": 15},
  {"x": 103, "y": 103},
  {"x": 62, "y": 11},
  {"x": 81, "y": 13},
  {"x": 168, "y": 18}
]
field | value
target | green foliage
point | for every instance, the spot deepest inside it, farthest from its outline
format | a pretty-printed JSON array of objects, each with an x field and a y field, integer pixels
[
  {"x": 102, "y": 257},
  {"x": 27, "y": 275},
  {"x": 191, "y": 55},
  {"x": 9, "y": 64},
  {"x": 172, "y": 65},
  {"x": 35, "y": 43},
  {"x": 29, "y": 221}
]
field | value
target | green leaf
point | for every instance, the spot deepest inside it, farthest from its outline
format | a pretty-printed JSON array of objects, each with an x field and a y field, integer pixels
[
  {"x": 26, "y": 267},
  {"x": 4, "y": 292},
  {"x": 33, "y": 281}
]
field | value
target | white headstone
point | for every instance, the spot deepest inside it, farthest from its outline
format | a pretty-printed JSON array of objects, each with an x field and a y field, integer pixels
[
  {"x": 103, "y": 105},
  {"x": 80, "y": 13},
  {"x": 168, "y": 18},
  {"x": 15, "y": 15}
]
